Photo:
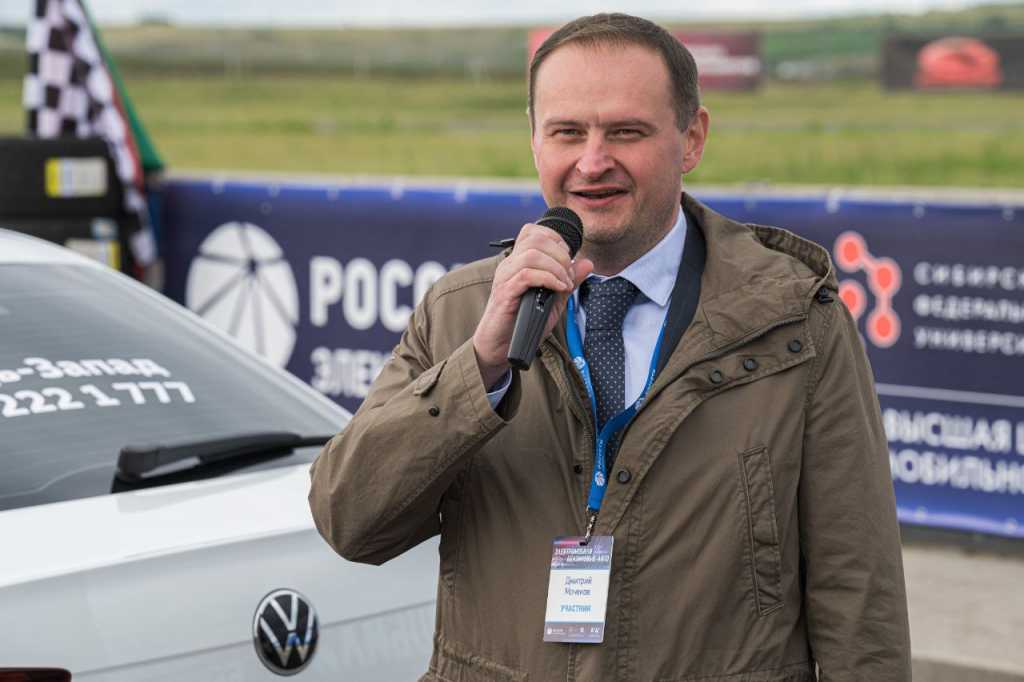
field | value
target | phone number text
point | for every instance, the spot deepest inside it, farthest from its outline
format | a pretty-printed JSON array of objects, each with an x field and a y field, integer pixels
[{"x": 56, "y": 399}]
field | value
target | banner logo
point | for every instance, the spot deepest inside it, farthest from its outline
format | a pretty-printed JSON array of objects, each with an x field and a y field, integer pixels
[
  {"x": 884, "y": 279},
  {"x": 241, "y": 283}
]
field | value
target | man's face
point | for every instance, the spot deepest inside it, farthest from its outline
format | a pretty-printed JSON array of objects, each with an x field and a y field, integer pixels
[{"x": 606, "y": 144}]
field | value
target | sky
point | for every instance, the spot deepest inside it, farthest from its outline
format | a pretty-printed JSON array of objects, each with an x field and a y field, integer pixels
[{"x": 461, "y": 12}]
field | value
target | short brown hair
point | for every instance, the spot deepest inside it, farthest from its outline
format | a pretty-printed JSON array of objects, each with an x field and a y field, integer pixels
[{"x": 623, "y": 29}]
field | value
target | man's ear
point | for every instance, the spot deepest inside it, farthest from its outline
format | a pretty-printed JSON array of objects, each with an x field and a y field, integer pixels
[{"x": 694, "y": 138}]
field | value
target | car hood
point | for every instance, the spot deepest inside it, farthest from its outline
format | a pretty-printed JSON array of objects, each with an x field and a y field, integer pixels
[{"x": 55, "y": 539}]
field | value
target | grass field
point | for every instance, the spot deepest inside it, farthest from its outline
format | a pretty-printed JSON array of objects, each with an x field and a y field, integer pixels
[
  {"x": 848, "y": 45},
  {"x": 450, "y": 101},
  {"x": 842, "y": 133}
]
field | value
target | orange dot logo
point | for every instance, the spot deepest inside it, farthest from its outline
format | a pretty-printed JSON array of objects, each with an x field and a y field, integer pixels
[
  {"x": 849, "y": 251},
  {"x": 883, "y": 327},
  {"x": 884, "y": 279},
  {"x": 852, "y": 294}
]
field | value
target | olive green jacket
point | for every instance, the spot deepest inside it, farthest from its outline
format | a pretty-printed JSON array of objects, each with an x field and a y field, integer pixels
[{"x": 751, "y": 501}]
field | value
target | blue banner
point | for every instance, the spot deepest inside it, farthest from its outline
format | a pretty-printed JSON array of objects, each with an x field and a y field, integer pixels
[{"x": 321, "y": 278}]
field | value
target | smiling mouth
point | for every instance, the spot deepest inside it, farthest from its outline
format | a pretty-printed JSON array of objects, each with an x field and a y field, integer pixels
[{"x": 599, "y": 194}]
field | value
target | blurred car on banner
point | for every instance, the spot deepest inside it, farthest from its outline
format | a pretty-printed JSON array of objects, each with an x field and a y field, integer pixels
[
  {"x": 153, "y": 515},
  {"x": 958, "y": 62}
]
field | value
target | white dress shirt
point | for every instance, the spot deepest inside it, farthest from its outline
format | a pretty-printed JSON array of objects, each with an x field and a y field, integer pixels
[{"x": 654, "y": 274}]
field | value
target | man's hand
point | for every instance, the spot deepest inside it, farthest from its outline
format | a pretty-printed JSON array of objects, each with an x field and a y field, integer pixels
[{"x": 540, "y": 258}]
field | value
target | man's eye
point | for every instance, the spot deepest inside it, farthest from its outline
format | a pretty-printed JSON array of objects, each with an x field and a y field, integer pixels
[
  {"x": 567, "y": 132},
  {"x": 627, "y": 133}
]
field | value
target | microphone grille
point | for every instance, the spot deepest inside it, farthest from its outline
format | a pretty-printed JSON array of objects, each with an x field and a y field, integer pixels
[{"x": 566, "y": 223}]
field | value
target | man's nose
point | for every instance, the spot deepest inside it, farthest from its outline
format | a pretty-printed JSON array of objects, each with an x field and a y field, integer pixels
[{"x": 595, "y": 160}]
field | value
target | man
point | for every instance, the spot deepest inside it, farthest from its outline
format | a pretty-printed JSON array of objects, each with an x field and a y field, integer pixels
[{"x": 747, "y": 502}]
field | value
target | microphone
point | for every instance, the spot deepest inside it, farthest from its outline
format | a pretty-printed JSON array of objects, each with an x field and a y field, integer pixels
[{"x": 535, "y": 305}]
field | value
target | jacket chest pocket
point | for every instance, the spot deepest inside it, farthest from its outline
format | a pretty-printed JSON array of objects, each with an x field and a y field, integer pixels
[{"x": 762, "y": 529}]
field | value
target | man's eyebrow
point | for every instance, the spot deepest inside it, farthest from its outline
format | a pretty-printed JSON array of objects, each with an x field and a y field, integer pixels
[
  {"x": 619, "y": 123},
  {"x": 561, "y": 122},
  {"x": 631, "y": 123}
]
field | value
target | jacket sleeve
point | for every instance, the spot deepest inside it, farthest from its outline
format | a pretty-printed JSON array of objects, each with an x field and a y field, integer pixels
[
  {"x": 377, "y": 486},
  {"x": 854, "y": 598}
]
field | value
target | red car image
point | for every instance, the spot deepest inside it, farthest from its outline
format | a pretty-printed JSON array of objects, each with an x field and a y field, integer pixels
[{"x": 957, "y": 62}]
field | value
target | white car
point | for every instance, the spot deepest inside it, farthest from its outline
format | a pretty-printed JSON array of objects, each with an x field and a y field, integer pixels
[{"x": 153, "y": 514}]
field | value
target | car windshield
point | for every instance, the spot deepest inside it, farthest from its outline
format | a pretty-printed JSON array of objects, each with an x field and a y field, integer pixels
[{"x": 91, "y": 362}]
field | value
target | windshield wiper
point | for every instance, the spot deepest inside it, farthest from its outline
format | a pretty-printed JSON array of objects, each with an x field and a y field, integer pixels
[{"x": 136, "y": 460}]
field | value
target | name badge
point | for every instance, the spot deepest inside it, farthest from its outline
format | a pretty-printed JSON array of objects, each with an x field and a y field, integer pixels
[{"x": 578, "y": 590}]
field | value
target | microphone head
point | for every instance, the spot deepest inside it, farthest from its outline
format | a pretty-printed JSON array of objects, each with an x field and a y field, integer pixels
[{"x": 567, "y": 224}]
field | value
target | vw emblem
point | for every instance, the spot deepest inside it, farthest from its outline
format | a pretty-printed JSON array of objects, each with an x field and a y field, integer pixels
[
  {"x": 285, "y": 631},
  {"x": 580, "y": 363}
]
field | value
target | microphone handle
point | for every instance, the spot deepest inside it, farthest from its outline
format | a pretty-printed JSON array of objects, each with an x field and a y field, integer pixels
[{"x": 534, "y": 309}]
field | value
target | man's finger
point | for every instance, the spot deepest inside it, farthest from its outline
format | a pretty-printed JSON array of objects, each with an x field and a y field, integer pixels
[
  {"x": 546, "y": 241},
  {"x": 529, "y": 278},
  {"x": 543, "y": 260},
  {"x": 530, "y": 230}
]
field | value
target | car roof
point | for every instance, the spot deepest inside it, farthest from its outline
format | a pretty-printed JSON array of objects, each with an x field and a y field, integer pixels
[{"x": 18, "y": 248}]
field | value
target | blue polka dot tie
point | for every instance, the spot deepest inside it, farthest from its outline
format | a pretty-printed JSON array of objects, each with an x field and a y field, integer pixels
[{"x": 606, "y": 304}]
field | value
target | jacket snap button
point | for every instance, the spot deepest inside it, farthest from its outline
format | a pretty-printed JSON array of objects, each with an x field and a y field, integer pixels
[
  {"x": 623, "y": 476},
  {"x": 578, "y": 468},
  {"x": 434, "y": 411},
  {"x": 750, "y": 364},
  {"x": 795, "y": 346},
  {"x": 717, "y": 377}
]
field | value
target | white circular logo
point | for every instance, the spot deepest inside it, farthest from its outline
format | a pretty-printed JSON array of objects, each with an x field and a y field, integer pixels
[
  {"x": 579, "y": 362},
  {"x": 599, "y": 479},
  {"x": 241, "y": 283}
]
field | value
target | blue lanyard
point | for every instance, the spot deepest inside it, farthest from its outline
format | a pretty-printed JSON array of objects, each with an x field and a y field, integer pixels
[{"x": 598, "y": 483}]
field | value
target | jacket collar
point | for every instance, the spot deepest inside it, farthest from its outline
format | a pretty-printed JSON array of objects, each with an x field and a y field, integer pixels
[{"x": 754, "y": 277}]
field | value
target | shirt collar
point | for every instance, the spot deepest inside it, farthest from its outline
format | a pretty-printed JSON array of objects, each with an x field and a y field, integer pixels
[{"x": 654, "y": 273}]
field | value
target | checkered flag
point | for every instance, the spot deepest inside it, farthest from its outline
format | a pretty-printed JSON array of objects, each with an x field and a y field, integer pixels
[{"x": 69, "y": 91}]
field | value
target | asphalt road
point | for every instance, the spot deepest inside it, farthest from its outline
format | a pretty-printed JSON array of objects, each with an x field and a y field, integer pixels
[{"x": 966, "y": 596}]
